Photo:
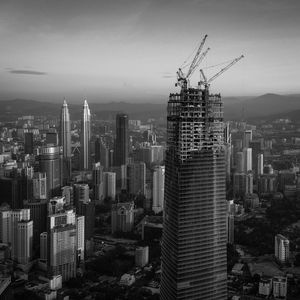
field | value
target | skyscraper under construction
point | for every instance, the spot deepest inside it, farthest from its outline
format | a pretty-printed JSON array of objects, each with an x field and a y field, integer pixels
[{"x": 194, "y": 258}]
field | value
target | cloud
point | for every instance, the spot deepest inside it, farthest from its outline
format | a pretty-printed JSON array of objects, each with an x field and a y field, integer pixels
[{"x": 27, "y": 72}]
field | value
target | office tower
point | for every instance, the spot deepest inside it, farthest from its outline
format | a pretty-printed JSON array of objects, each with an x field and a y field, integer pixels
[
  {"x": 251, "y": 201},
  {"x": 194, "y": 237},
  {"x": 81, "y": 192},
  {"x": 85, "y": 137},
  {"x": 39, "y": 184},
  {"x": 65, "y": 142},
  {"x": 240, "y": 164},
  {"x": 158, "y": 189},
  {"x": 102, "y": 153},
  {"x": 255, "y": 145},
  {"x": 97, "y": 183},
  {"x": 50, "y": 163},
  {"x": 12, "y": 191},
  {"x": 122, "y": 140},
  {"x": 11, "y": 231},
  {"x": 230, "y": 228},
  {"x": 141, "y": 256},
  {"x": 44, "y": 246},
  {"x": 136, "y": 177},
  {"x": 62, "y": 243},
  {"x": 260, "y": 164},
  {"x": 228, "y": 152},
  {"x": 267, "y": 184},
  {"x": 237, "y": 145},
  {"x": 87, "y": 209},
  {"x": 247, "y": 139},
  {"x": 247, "y": 159},
  {"x": 68, "y": 193},
  {"x": 25, "y": 241},
  {"x": 5, "y": 226},
  {"x": 242, "y": 184},
  {"x": 150, "y": 154},
  {"x": 230, "y": 221},
  {"x": 109, "y": 185},
  {"x": 279, "y": 287},
  {"x": 111, "y": 158},
  {"x": 28, "y": 143},
  {"x": 122, "y": 217},
  {"x": 80, "y": 237},
  {"x": 38, "y": 214},
  {"x": 249, "y": 183},
  {"x": 282, "y": 248}
]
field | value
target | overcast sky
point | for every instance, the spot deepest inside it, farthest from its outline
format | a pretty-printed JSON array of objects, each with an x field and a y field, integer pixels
[{"x": 130, "y": 49}]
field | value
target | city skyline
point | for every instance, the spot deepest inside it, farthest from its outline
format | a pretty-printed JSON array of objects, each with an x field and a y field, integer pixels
[{"x": 98, "y": 50}]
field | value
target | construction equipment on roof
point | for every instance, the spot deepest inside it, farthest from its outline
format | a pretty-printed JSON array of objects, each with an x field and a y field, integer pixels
[
  {"x": 206, "y": 82},
  {"x": 182, "y": 79}
]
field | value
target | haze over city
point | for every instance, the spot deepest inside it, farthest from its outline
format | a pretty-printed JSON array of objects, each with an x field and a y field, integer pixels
[{"x": 130, "y": 50}]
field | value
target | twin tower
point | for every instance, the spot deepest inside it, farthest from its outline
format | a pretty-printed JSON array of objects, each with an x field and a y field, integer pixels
[{"x": 65, "y": 139}]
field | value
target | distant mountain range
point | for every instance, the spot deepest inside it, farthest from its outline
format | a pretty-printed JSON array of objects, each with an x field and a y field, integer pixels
[
  {"x": 267, "y": 106},
  {"x": 21, "y": 107}
]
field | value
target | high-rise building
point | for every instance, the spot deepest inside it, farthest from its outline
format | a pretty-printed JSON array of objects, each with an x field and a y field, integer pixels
[
  {"x": 81, "y": 193},
  {"x": 136, "y": 177},
  {"x": 247, "y": 159},
  {"x": 230, "y": 221},
  {"x": 68, "y": 193},
  {"x": 240, "y": 164},
  {"x": 12, "y": 233},
  {"x": 102, "y": 153},
  {"x": 25, "y": 241},
  {"x": 282, "y": 248},
  {"x": 39, "y": 186},
  {"x": 230, "y": 228},
  {"x": 260, "y": 164},
  {"x": 122, "y": 140},
  {"x": 80, "y": 237},
  {"x": 44, "y": 246},
  {"x": 65, "y": 141},
  {"x": 38, "y": 214},
  {"x": 85, "y": 137},
  {"x": 122, "y": 217},
  {"x": 62, "y": 244},
  {"x": 50, "y": 163},
  {"x": 242, "y": 184},
  {"x": 97, "y": 183},
  {"x": 28, "y": 143},
  {"x": 109, "y": 185},
  {"x": 158, "y": 189},
  {"x": 279, "y": 287},
  {"x": 194, "y": 262},
  {"x": 247, "y": 139}
]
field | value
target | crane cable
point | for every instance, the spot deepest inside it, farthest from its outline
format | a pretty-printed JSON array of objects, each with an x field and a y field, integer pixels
[{"x": 217, "y": 65}]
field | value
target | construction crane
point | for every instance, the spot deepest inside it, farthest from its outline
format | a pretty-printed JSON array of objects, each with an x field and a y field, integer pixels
[
  {"x": 182, "y": 79},
  {"x": 207, "y": 82}
]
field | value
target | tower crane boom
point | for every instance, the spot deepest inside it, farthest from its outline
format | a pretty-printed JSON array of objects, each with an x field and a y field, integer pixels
[
  {"x": 182, "y": 79},
  {"x": 222, "y": 70},
  {"x": 194, "y": 62}
]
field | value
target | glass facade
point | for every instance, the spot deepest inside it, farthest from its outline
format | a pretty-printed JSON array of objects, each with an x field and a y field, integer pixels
[{"x": 194, "y": 261}]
